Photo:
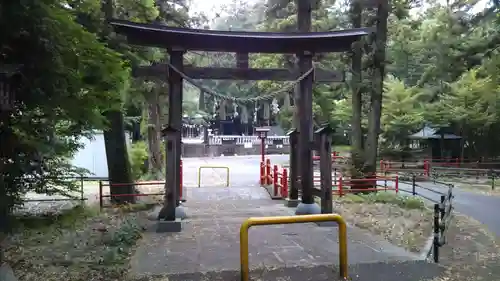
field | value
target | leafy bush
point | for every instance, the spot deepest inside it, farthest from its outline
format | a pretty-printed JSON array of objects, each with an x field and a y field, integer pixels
[{"x": 138, "y": 158}]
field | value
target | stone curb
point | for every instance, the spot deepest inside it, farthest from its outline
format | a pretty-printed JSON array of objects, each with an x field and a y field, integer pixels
[
  {"x": 270, "y": 189},
  {"x": 425, "y": 252}
]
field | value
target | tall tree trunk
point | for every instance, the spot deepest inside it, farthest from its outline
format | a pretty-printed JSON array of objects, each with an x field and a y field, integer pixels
[
  {"x": 153, "y": 133},
  {"x": 117, "y": 157},
  {"x": 114, "y": 137},
  {"x": 378, "y": 86},
  {"x": 7, "y": 151},
  {"x": 357, "y": 156}
]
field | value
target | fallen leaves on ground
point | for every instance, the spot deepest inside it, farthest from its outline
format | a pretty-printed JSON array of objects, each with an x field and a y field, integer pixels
[
  {"x": 91, "y": 247},
  {"x": 471, "y": 252},
  {"x": 409, "y": 228}
]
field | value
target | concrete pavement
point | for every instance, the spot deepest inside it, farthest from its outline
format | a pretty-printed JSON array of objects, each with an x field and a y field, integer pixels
[
  {"x": 478, "y": 206},
  {"x": 209, "y": 241}
]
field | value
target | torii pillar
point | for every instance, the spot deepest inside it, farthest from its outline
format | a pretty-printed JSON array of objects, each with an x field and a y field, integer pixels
[
  {"x": 304, "y": 106},
  {"x": 171, "y": 213}
]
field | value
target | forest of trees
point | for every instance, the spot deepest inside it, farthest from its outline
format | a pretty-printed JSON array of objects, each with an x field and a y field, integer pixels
[
  {"x": 438, "y": 63},
  {"x": 441, "y": 69}
]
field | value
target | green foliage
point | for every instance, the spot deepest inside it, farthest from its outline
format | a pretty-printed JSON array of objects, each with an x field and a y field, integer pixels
[
  {"x": 403, "y": 111},
  {"x": 285, "y": 117},
  {"x": 442, "y": 69},
  {"x": 138, "y": 159},
  {"x": 129, "y": 231},
  {"x": 138, "y": 155},
  {"x": 120, "y": 240},
  {"x": 68, "y": 78}
]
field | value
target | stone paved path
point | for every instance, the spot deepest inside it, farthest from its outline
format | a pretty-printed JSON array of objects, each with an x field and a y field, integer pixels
[{"x": 209, "y": 241}]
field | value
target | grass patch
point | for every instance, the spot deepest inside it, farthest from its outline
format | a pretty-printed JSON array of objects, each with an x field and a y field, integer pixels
[
  {"x": 80, "y": 244},
  {"x": 385, "y": 197}
]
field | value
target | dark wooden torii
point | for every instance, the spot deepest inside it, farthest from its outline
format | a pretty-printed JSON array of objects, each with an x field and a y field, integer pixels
[
  {"x": 160, "y": 71},
  {"x": 303, "y": 44},
  {"x": 241, "y": 72}
]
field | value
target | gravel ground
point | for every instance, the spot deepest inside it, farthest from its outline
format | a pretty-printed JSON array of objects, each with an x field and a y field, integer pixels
[{"x": 472, "y": 252}]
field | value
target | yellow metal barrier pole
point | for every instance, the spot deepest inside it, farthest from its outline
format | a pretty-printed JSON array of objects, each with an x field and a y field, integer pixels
[
  {"x": 213, "y": 167},
  {"x": 199, "y": 176},
  {"x": 245, "y": 226},
  {"x": 244, "y": 254}
]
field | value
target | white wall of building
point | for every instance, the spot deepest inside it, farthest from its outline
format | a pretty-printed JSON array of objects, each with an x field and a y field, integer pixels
[{"x": 93, "y": 155}]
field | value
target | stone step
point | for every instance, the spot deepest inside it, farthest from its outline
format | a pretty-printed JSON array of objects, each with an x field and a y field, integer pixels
[{"x": 394, "y": 271}]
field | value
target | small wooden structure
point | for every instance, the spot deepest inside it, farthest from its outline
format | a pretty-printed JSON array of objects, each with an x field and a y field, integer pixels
[{"x": 437, "y": 144}]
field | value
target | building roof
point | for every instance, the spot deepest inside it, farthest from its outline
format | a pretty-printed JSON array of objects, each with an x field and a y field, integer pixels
[
  {"x": 158, "y": 35},
  {"x": 431, "y": 133}
]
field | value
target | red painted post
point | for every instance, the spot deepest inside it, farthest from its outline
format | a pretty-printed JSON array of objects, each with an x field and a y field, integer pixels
[
  {"x": 262, "y": 173},
  {"x": 397, "y": 184},
  {"x": 284, "y": 186},
  {"x": 426, "y": 168},
  {"x": 340, "y": 186},
  {"x": 335, "y": 177},
  {"x": 275, "y": 180},
  {"x": 268, "y": 172},
  {"x": 262, "y": 148},
  {"x": 382, "y": 166}
]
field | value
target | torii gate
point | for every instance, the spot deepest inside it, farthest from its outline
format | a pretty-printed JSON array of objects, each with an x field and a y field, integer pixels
[{"x": 303, "y": 43}]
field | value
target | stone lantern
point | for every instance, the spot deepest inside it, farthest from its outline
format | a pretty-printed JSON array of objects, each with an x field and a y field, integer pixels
[{"x": 262, "y": 134}]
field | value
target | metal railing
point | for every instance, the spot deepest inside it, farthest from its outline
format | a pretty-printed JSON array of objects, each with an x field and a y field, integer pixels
[
  {"x": 81, "y": 197},
  {"x": 442, "y": 218},
  {"x": 457, "y": 174},
  {"x": 254, "y": 140},
  {"x": 442, "y": 210},
  {"x": 443, "y": 207},
  {"x": 102, "y": 194}
]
